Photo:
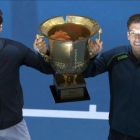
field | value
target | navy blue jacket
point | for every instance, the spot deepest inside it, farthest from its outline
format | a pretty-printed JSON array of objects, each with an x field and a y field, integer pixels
[
  {"x": 124, "y": 79},
  {"x": 12, "y": 56}
]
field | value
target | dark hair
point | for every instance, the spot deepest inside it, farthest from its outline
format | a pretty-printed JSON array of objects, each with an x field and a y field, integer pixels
[
  {"x": 1, "y": 18},
  {"x": 133, "y": 19}
]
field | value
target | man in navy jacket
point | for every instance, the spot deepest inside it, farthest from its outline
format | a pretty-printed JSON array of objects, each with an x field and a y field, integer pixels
[
  {"x": 123, "y": 66},
  {"x": 12, "y": 56}
]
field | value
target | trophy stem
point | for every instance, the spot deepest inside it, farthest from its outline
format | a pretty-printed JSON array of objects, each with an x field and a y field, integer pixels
[
  {"x": 70, "y": 79},
  {"x": 65, "y": 78},
  {"x": 74, "y": 79}
]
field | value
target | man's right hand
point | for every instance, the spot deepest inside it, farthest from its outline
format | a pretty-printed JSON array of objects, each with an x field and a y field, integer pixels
[{"x": 95, "y": 47}]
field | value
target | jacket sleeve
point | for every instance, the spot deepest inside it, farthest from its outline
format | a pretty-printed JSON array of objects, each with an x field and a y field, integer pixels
[
  {"x": 96, "y": 66},
  {"x": 31, "y": 59}
]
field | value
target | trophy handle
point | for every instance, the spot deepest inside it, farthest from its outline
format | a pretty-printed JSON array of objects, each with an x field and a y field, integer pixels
[
  {"x": 100, "y": 31},
  {"x": 38, "y": 36}
]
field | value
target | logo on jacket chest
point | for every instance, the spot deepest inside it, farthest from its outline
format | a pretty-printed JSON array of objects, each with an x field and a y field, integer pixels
[{"x": 122, "y": 57}]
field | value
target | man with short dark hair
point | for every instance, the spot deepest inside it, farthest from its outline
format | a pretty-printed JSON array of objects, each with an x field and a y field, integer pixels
[
  {"x": 12, "y": 56},
  {"x": 123, "y": 66}
]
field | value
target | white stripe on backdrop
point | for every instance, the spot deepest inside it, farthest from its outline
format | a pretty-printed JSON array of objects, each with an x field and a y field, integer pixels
[{"x": 91, "y": 114}]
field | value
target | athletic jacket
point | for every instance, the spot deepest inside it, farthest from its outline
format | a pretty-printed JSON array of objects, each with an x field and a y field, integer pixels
[
  {"x": 12, "y": 56},
  {"x": 124, "y": 79}
]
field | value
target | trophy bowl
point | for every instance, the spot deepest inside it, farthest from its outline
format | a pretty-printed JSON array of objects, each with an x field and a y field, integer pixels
[{"x": 69, "y": 58}]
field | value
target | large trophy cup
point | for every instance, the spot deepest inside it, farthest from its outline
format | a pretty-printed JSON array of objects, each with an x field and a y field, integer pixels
[{"x": 69, "y": 58}]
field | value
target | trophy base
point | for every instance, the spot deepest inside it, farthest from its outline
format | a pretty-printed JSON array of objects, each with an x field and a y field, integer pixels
[{"x": 71, "y": 97}]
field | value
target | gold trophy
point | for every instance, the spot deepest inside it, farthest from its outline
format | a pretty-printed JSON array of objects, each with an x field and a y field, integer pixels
[{"x": 69, "y": 58}]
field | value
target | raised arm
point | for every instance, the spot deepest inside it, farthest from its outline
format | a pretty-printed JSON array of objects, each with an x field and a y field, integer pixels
[{"x": 96, "y": 65}]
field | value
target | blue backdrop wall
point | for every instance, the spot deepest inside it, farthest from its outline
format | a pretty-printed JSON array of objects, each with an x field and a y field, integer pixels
[{"x": 21, "y": 21}]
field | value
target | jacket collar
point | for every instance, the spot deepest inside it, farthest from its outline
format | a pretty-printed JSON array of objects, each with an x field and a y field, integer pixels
[{"x": 131, "y": 55}]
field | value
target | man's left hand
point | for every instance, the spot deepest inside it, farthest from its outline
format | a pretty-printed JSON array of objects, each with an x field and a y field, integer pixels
[{"x": 39, "y": 46}]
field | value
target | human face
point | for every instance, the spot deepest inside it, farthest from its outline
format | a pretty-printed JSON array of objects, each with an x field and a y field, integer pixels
[{"x": 133, "y": 36}]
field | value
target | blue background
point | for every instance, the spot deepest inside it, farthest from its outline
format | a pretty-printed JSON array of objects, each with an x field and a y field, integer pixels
[{"x": 21, "y": 21}]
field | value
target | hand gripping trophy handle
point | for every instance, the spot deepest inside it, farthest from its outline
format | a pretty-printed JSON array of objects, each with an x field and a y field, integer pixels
[
  {"x": 91, "y": 53},
  {"x": 46, "y": 57}
]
